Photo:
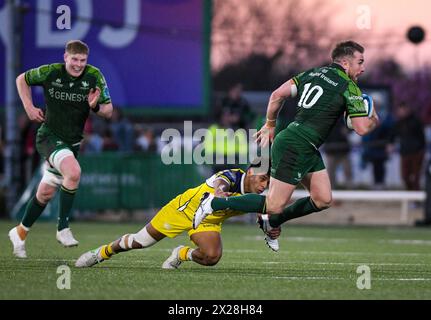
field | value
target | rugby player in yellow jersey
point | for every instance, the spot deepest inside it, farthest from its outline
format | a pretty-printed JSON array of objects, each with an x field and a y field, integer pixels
[{"x": 176, "y": 217}]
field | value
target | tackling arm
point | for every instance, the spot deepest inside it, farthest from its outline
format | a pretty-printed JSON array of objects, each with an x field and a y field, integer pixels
[{"x": 221, "y": 188}]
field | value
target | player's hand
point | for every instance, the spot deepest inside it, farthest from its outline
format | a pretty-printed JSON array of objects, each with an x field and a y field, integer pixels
[
  {"x": 35, "y": 114},
  {"x": 264, "y": 136},
  {"x": 226, "y": 194},
  {"x": 222, "y": 194},
  {"x": 93, "y": 97},
  {"x": 274, "y": 233}
]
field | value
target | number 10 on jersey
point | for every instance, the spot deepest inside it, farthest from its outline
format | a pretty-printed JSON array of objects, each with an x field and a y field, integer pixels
[{"x": 309, "y": 96}]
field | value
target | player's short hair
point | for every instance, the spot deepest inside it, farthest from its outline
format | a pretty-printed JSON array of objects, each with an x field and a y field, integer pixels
[
  {"x": 77, "y": 47},
  {"x": 346, "y": 48}
]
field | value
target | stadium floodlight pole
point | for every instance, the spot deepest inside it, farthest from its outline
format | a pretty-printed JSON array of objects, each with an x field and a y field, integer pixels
[{"x": 12, "y": 151}]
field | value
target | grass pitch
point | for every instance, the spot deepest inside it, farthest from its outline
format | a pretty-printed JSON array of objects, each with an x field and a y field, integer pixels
[{"x": 313, "y": 263}]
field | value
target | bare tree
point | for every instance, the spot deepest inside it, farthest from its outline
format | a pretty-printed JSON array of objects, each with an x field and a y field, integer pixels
[{"x": 299, "y": 33}]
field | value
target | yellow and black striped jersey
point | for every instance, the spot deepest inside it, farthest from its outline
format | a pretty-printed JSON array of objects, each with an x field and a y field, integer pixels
[{"x": 234, "y": 177}]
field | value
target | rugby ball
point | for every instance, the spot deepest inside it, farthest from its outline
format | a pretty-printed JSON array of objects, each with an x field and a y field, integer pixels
[{"x": 369, "y": 106}]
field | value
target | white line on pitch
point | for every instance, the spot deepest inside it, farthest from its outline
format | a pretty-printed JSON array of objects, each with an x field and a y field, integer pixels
[
  {"x": 336, "y": 278},
  {"x": 347, "y": 263}
]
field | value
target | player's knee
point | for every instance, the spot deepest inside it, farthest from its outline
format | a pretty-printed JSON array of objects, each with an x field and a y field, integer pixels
[
  {"x": 73, "y": 174},
  {"x": 211, "y": 258},
  {"x": 322, "y": 203}
]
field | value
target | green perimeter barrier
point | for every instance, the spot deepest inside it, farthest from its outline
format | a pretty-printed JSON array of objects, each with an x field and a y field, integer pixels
[{"x": 113, "y": 181}]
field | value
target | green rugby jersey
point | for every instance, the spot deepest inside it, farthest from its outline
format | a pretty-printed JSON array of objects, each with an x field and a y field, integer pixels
[
  {"x": 323, "y": 95},
  {"x": 66, "y": 101}
]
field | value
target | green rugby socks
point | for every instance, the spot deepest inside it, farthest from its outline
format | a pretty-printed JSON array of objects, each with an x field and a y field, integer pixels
[
  {"x": 299, "y": 208},
  {"x": 250, "y": 202},
  {"x": 66, "y": 201},
  {"x": 32, "y": 212}
]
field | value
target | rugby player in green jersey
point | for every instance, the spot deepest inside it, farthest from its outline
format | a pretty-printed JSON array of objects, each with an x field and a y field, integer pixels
[
  {"x": 324, "y": 94},
  {"x": 71, "y": 90}
]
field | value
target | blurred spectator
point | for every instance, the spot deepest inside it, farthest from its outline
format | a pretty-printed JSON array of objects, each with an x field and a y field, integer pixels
[
  {"x": 426, "y": 115},
  {"x": 92, "y": 142},
  {"x": 98, "y": 125},
  {"x": 30, "y": 159},
  {"x": 3, "y": 184},
  {"x": 409, "y": 130},
  {"x": 146, "y": 140},
  {"x": 109, "y": 143},
  {"x": 225, "y": 144},
  {"x": 427, "y": 209},
  {"x": 238, "y": 107},
  {"x": 2, "y": 144},
  {"x": 375, "y": 150},
  {"x": 122, "y": 131},
  {"x": 337, "y": 150}
]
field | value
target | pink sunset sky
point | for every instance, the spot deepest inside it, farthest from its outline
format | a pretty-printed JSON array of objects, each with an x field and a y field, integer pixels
[
  {"x": 391, "y": 18},
  {"x": 385, "y": 36}
]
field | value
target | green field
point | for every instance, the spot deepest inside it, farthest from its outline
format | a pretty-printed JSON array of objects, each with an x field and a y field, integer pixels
[{"x": 313, "y": 263}]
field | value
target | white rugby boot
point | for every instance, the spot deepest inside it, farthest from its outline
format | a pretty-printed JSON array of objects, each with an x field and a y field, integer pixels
[
  {"x": 65, "y": 237},
  {"x": 89, "y": 259},
  {"x": 18, "y": 244},
  {"x": 263, "y": 222},
  {"x": 173, "y": 261}
]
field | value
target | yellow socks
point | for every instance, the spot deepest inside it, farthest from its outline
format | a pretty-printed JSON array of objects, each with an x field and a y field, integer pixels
[
  {"x": 185, "y": 254},
  {"x": 106, "y": 251}
]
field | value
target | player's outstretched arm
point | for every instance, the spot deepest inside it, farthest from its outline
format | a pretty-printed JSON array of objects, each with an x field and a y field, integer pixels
[
  {"x": 24, "y": 92},
  {"x": 266, "y": 134},
  {"x": 286, "y": 90}
]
